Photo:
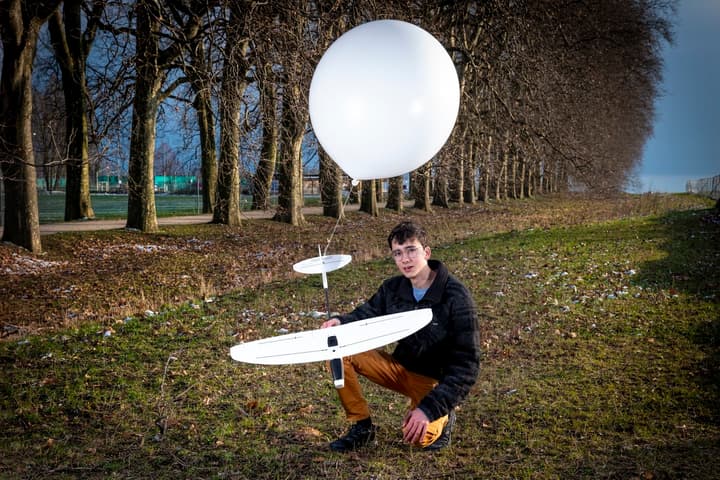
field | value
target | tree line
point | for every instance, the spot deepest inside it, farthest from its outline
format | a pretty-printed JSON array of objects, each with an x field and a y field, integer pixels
[{"x": 555, "y": 94}]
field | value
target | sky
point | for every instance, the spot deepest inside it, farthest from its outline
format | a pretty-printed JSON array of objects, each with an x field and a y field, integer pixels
[{"x": 686, "y": 141}]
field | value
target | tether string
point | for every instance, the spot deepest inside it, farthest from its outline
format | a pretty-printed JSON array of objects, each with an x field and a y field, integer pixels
[{"x": 342, "y": 214}]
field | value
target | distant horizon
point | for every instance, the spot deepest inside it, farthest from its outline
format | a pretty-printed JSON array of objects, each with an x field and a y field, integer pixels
[{"x": 667, "y": 183}]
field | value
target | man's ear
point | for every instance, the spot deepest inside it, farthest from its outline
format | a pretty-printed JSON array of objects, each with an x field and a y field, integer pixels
[{"x": 427, "y": 253}]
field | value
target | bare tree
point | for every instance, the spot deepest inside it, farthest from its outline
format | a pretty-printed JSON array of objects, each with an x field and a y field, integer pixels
[
  {"x": 234, "y": 82},
  {"x": 294, "y": 118},
  {"x": 48, "y": 128},
  {"x": 166, "y": 161},
  {"x": 199, "y": 69},
  {"x": 20, "y": 23},
  {"x": 262, "y": 181},
  {"x": 327, "y": 22},
  {"x": 72, "y": 46},
  {"x": 297, "y": 47},
  {"x": 149, "y": 81},
  {"x": 153, "y": 62},
  {"x": 530, "y": 73}
]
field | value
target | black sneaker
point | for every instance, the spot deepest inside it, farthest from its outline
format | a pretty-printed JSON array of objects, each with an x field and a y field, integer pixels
[
  {"x": 358, "y": 436},
  {"x": 445, "y": 437}
]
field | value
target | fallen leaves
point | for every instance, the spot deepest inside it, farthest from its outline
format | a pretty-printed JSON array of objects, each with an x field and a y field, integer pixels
[
  {"x": 307, "y": 433},
  {"x": 101, "y": 276},
  {"x": 26, "y": 264}
]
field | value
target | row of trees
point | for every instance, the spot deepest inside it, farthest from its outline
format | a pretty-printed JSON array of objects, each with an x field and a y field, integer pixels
[{"x": 555, "y": 94}]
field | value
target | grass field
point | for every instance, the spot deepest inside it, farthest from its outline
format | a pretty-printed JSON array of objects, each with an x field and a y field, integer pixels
[
  {"x": 601, "y": 360},
  {"x": 112, "y": 206}
]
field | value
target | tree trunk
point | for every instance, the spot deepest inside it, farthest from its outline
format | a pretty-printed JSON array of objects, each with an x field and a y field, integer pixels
[
  {"x": 262, "y": 181},
  {"x": 395, "y": 194},
  {"x": 485, "y": 177},
  {"x": 368, "y": 198},
  {"x": 530, "y": 190},
  {"x": 456, "y": 167},
  {"x": 149, "y": 79},
  {"x": 469, "y": 193},
  {"x": 199, "y": 73},
  {"x": 501, "y": 180},
  {"x": 290, "y": 200},
  {"x": 17, "y": 164},
  {"x": 460, "y": 175},
  {"x": 141, "y": 188},
  {"x": 227, "y": 204},
  {"x": 485, "y": 193},
  {"x": 515, "y": 184},
  {"x": 208, "y": 155},
  {"x": 354, "y": 194},
  {"x": 151, "y": 66},
  {"x": 420, "y": 180},
  {"x": 563, "y": 185},
  {"x": 441, "y": 196},
  {"x": 330, "y": 186},
  {"x": 71, "y": 55}
]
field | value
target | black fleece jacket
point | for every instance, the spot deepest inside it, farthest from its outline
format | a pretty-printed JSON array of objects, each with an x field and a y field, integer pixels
[{"x": 446, "y": 349}]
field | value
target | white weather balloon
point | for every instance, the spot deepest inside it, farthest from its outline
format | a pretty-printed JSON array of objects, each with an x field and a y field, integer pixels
[{"x": 383, "y": 99}]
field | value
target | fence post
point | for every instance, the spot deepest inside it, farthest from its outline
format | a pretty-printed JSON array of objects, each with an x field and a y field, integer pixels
[{"x": 709, "y": 187}]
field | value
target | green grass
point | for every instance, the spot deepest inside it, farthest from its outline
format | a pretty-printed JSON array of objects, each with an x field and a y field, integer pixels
[
  {"x": 112, "y": 206},
  {"x": 600, "y": 361}
]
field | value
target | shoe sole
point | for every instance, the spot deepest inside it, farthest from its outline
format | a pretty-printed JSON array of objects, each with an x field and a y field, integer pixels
[{"x": 433, "y": 447}]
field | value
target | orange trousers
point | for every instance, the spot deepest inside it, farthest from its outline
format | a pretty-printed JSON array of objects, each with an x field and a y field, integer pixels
[{"x": 381, "y": 368}]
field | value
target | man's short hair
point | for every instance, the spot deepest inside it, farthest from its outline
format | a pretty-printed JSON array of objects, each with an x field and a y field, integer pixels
[{"x": 405, "y": 231}]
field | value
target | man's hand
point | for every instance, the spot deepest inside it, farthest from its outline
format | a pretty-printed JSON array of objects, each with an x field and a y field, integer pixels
[
  {"x": 333, "y": 322},
  {"x": 414, "y": 426}
]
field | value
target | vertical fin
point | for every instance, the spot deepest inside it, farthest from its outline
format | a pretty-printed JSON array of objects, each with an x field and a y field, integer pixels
[{"x": 336, "y": 365}]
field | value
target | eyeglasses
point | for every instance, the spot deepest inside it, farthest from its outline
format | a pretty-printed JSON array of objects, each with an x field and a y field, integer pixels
[{"x": 410, "y": 252}]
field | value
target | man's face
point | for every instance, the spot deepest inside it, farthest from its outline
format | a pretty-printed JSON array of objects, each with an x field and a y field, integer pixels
[{"x": 410, "y": 257}]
